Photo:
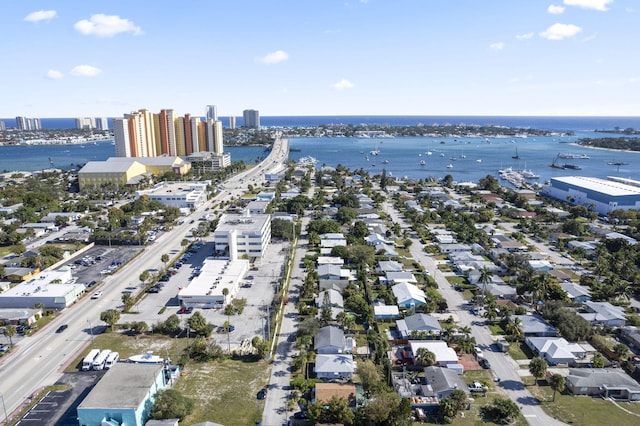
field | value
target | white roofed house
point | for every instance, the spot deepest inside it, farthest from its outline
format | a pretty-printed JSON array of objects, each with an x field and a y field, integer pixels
[
  {"x": 334, "y": 366},
  {"x": 575, "y": 292},
  {"x": 391, "y": 278},
  {"x": 556, "y": 350},
  {"x": 444, "y": 354},
  {"x": 385, "y": 266},
  {"x": 334, "y": 299},
  {"x": 408, "y": 295},
  {"x": 604, "y": 313},
  {"x": 333, "y": 276},
  {"x": 609, "y": 383},
  {"x": 534, "y": 325}
]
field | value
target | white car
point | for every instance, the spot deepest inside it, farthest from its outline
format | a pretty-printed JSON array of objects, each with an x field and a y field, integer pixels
[{"x": 96, "y": 295}]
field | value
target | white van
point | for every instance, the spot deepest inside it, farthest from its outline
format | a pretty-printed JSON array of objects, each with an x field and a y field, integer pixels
[
  {"x": 111, "y": 359},
  {"x": 98, "y": 363},
  {"x": 87, "y": 362}
]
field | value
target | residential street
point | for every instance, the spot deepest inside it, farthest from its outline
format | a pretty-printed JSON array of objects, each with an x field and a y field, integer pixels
[{"x": 502, "y": 364}]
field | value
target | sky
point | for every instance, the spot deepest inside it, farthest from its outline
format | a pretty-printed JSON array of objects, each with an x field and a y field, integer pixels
[{"x": 321, "y": 57}]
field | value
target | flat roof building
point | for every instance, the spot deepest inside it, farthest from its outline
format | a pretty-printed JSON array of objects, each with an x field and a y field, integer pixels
[
  {"x": 189, "y": 195},
  {"x": 604, "y": 195},
  {"x": 206, "y": 289},
  {"x": 54, "y": 289},
  {"x": 124, "y": 395},
  {"x": 243, "y": 234}
]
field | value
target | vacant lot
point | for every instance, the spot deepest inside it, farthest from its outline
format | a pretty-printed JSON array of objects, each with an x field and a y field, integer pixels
[{"x": 223, "y": 391}]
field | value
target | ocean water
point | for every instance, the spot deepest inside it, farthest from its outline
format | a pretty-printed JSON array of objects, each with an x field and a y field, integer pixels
[{"x": 470, "y": 158}]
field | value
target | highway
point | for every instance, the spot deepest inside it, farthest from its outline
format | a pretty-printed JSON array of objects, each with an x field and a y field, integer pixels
[{"x": 39, "y": 360}]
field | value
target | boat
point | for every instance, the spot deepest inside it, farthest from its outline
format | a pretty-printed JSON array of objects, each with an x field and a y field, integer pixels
[
  {"x": 528, "y": 174},
  {"x": 441, "y": 154},
  {"x": 385, "y": 161},
  {"x": 617, "y": 163},
  {"x": 462, "y": 155},
  {"x": 295, "y": 150},
  {"x": 428, "y": 153},
  {"x": 148, "y": 358},
  {"x": 479, "y": 160},
  {"x": 516, "y": 156},
  {"x": 374, "y": 152},
  {"x": 571, "y": 166},
  {"x": 574, "y": 156},
  {"x": 450, "y": 166},
  {"x": 422, "y": 162},
  {"x": 554, "y": 163}
]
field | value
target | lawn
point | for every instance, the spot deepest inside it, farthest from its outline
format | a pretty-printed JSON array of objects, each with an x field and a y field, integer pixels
[
  {"x": 519, "y": 350},
  {"x": 223, "y": 391},
  {"x": 583, "y": 410},
  {"x": 496, "y": 329}
]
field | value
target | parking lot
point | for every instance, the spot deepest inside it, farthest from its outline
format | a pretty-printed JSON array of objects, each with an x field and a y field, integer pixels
[
  {"x": 259, "y": 296},
  {"x": 99, "y": 261}
]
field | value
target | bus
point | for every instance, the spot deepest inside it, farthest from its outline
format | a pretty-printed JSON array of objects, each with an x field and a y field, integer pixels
[
  {"x": 98, "y": 363},
  {"x": 111, "y": 359},
  {"x": 87, "y": 362}
]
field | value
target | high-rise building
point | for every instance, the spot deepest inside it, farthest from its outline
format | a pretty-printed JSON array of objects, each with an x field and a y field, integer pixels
[
  {"x": 212, "y": 112},
  {"x": 102, "y": 123},
  {"x": 232, "y": 122},
  {"x": 24, "y": 123},
  {"x": 121, "y": 137},
  {"x": 168, "y": 144},
  {"x": 2, "y": 126},
  {"x": 85, "y": 123},
  {"x": 218, "y": 145},
  {"x": 251, "y": 118}
]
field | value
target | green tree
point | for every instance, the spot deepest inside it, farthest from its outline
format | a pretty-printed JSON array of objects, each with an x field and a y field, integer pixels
[
  {"x": 198, "y": 324},
  {"x": 171, "y": 404},
  {"x": 538, "y": 367},
  {"x": 261, "y": 346},
  {"x": 426, "y": 357},
  {"x": 144, "y": 276},
  {"x": 486, "y": 276},
  {"x": 111, "y": 317},
  {"x": 325, "y": 313},
  {"x": 9, "y": 332},
  {"x": 451, "y": 405},
  {"x": 557, "y": 383},
  {"x": 128, "y": 301},
  {"x": 369, "y": 375},
  {"x": 164, "y": 259},
  {"x": 597, "y": 361},
  {"x": 501, "y": 411},
  {"x": 621, "y": 351}
]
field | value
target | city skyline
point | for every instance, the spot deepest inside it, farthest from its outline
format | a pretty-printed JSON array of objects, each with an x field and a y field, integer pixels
[{"x": 360, "y": 57}]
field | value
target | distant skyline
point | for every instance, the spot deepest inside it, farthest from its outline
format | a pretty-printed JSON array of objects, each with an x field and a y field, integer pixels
[{"x": 323, "y": 57}]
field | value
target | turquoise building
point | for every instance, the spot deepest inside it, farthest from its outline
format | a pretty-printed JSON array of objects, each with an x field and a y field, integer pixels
[{"x": 124, "y": 396}]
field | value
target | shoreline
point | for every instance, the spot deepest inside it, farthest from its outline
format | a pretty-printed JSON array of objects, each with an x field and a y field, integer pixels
[{"x": 604, "y": 149}]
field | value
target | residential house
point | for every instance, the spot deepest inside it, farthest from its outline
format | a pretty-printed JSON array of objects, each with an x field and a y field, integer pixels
[
  {"x": 604, "y": 313},
  {"x": 334, "y": 366},
  {"x": 556, "y": 350},
  {"x": 398, "y": 277},
  {"x": 418, "y": 325},
  {"x": 408, "y": 295},
  {"x": 385, "y": 312},
  {"x": 534, "y": 325},
  {"x": 575, "y": 292},
  {"x": 330, "y": 340},
  {"x": 441, "y": 382},
  {"x": 444, "y": 354},
  {"x": 606, "y": 382},
  {"x": 385, "y": 266},
  {"x": 334, "y": 299},
  {"x": 329, "y": 260}
]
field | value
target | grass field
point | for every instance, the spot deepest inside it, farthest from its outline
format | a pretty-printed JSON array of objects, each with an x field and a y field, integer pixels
[
  {"x": 585, "y": 410},
  {"x": 224, "y": 391}
]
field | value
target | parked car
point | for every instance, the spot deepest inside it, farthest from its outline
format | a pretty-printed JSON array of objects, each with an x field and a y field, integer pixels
[
  {"x": 262, "y": 394},
  {"x": 182, "y": 310},
  {"x": 96, "y": 295},
  {"x": 62, "y": 328},
  {"x": 484, "y": 363}
]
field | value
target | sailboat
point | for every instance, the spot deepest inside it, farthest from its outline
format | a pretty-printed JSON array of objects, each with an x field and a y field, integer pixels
[{"x": 516, "y": 156}]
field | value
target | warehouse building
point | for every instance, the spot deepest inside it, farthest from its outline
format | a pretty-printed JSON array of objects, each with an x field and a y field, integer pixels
[
  {"x": 54, "y": 289},
  {"x": 601, "y": 195}
]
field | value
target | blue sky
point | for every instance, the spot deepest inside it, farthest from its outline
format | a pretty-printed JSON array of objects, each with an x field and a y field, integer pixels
[{"x": 321, "y": 57}]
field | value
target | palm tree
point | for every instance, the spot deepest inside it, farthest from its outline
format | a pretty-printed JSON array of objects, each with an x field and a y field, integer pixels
[
  {"x": 491, "y": 313},
  {"x": 426, "y": 357},
  {"x": 514, "y": 329},
  {"x": 557, "y": 384},
  {"x": 486, "y": 276}
]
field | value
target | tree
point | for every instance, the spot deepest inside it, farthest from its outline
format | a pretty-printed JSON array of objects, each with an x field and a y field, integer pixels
[
  {"x": 486, "y": 276},
  {"x": 9, "y": 332},
  {"x": 325, "y": 313},
  {"x": 452, "y": 404},
  {"x": 557, "y": 383},
  {"x": 261, "y": 346},
  {"x": 164, "y": 259},
  {"x": 426, "y": 357},
  {"x": 514, "y": 329},
  {"x": 369, "y": 375},
  {"x": 621, "y": 351},
  {"x": 111, "y": 317},
  {"x": 501, "y": 411},
  {"x": 198, "y": 324},
  {"x": 128, "y": 301},
  {"x": 171, "y": 404},
  {"x": 597, "y": 361},
  {"x": 538, "y": 367},
  {"x": 144, "y": 276}
]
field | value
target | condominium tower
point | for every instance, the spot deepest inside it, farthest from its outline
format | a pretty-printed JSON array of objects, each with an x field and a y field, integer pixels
[{"x": 251, "y": 118}]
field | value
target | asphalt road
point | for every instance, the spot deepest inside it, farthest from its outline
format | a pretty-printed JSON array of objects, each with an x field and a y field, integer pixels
[
  {"x": 38, "y": 361},
  {"x": 501, "y": 363}
]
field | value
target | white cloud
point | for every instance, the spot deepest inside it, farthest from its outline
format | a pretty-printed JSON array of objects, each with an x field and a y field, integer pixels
[
  {"x": 560, "y": 31},
  {"x": 555, "y": 10},
  {"x": 40, "y": 15},
  {"x": 497, "y": 46},
  {"x": 274, "y": 57},
  {"x": 342, "y": 85},
  {"x": 54, "y": 74},
  {"x": 525, "y": 36},
  {"x": 600, "y": 5},
  {"x": 102, "y": 25},
  {"x": 85, "y": 71}
]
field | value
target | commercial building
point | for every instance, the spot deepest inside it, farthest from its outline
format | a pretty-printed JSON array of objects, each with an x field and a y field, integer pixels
[
  {"x": 251, "y": 118},
  {"x": 246, "y": 235},
  {"x": 209, "y": 162},
  {"x": 207, "y": 289},
  {"x": 24, "y": 123},
  {"x": 189, "y": 195},
  {"x": 53, "y": 289},
  {"x": 124, "y": 395},
  {"x": 601, "y": 195},
  {"x": 120, "y": 171},
  {"x": 212, "y": 112}
]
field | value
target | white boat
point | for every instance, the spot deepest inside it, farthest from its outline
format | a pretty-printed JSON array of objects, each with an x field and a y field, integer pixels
[
  {"x": 450, "y": 166},
  {"x": 575, "y": 156},
  {"x": 422, "y": 162},
  {"x": 374, "y": 152},
  {"x": 428, "y": 153},
  {"x": 385, "y": 161},
  {"x": 148, "y": 358},
  {"x": 479, "y": 160},
  {"x": 442, "y": 154}
]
